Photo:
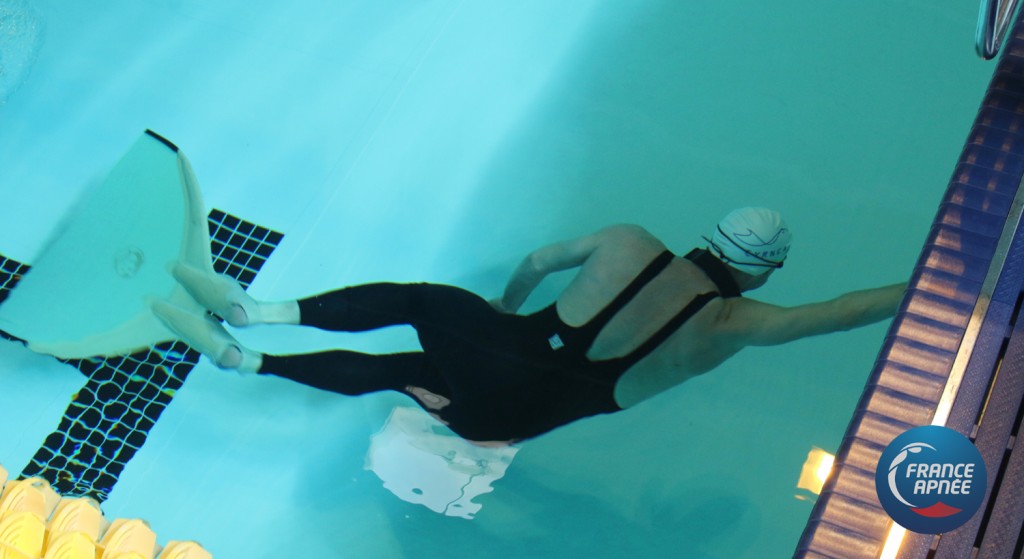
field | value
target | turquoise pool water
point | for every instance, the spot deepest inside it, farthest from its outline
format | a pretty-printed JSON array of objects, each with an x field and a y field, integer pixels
[{"x": 442, "y": 140}]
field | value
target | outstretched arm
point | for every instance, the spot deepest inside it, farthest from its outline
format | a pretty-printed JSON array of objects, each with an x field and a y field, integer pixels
[{"x": 750, "y": 322}]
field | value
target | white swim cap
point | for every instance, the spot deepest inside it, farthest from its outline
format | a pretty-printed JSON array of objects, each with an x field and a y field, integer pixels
[{"x": 752, "y": 240}]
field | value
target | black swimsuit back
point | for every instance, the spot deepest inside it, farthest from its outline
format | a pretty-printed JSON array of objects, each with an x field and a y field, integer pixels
[{"x": 544, "y": 379}]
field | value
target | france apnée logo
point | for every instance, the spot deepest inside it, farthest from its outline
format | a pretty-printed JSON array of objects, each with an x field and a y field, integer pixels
[{"x": 931, "y": 480}]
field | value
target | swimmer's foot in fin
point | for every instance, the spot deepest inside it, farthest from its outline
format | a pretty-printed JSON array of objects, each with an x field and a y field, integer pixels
[
  {"x": 207, "y": 336},
  {"x": 222, "y": 295}
]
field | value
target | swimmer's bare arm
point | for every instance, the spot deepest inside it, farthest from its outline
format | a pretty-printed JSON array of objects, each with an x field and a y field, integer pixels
[
  {"x": 541, "y": 262},
  {"x": 554, "y": 258},
  {"x": 747, "y": 322}
]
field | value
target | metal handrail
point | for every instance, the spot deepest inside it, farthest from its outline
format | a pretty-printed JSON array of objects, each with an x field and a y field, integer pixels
[{"x": 993, "y": 19}]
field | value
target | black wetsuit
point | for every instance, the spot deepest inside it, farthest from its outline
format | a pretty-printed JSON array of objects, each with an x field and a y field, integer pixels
[{"x": 509, "y": 377}]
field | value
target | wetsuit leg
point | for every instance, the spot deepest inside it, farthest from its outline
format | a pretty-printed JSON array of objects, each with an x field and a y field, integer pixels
[
  {"x": 346, "y": 372},
  {"x": 354, "y": 374},
  {"x": 437, "y": 309},
  {"x": 466, "y": 342},
  {"x": 444, "y": 316}
]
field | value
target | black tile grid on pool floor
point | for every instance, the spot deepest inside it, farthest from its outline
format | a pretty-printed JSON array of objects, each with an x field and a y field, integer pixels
[{"x": 109, "y": 419}]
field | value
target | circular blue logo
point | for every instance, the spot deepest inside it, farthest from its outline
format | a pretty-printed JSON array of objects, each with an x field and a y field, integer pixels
[{"x": 930, "y": 479}]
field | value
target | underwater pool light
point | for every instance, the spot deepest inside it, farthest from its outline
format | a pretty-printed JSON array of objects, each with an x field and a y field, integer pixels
[
  {"x": 893, "y": 542},
  {"x": 816, "y": 470}
]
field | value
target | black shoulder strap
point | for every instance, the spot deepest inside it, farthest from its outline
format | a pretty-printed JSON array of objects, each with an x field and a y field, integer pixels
[
  {"x": 626, "y": 295},
  {"x": 659, "y": 337},
  {"x": 716, "y": 271}
]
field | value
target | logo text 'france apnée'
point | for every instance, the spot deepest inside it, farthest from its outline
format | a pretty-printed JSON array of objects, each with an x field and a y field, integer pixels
[{"x": 931, "y": 480}]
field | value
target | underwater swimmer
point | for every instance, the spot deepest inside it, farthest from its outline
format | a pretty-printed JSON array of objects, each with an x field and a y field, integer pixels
[{"x": 635, "y": 320}]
